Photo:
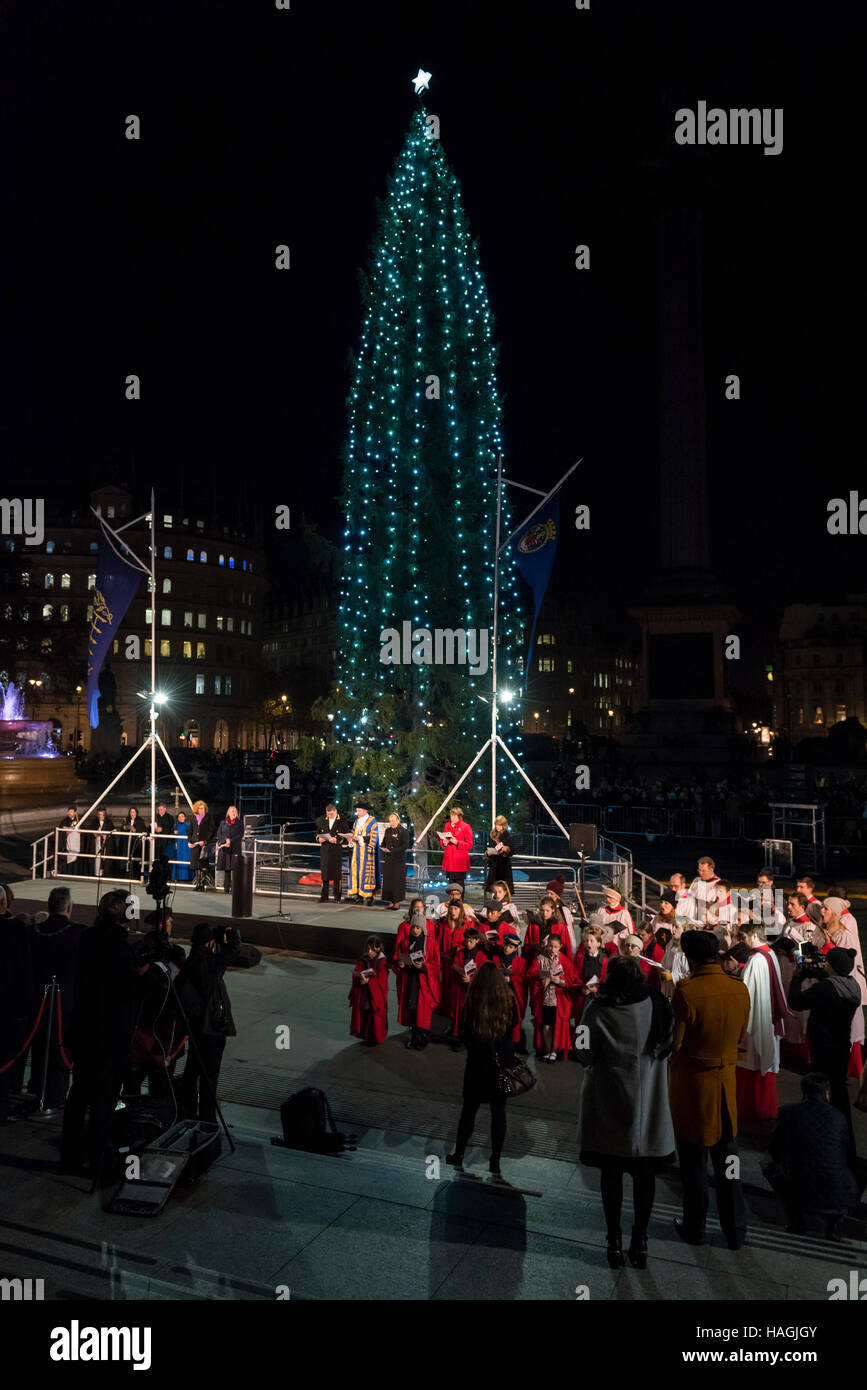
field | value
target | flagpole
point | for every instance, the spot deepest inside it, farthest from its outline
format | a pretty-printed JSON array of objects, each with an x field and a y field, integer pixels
[
  {"x": 538, "y": 505},
  {"x": 153, "y": 673},
  {"x": 494, "y": 655}
]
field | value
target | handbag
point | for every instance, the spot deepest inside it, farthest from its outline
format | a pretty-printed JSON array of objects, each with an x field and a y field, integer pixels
[{"x": 514, "y": 1080}]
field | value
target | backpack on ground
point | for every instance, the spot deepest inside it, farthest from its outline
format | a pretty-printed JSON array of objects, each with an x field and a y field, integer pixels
[{"x": 309, "y": 1124}]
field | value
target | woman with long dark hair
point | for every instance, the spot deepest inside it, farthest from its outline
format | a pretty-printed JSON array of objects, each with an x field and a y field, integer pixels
[
  {"x": 498, "y": 856},
  {"x": 489, "y": 1019},
  {"x": 133, "y": 842},
  {"x": 625, "y": 1123}
]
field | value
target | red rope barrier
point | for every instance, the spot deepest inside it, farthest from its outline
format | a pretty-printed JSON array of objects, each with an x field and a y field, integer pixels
[{"x": 23, "y": 1049}]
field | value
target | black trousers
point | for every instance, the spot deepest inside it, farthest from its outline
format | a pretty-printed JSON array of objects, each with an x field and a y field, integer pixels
[
  {"x": 467, "y": 1121},
  {"x": 834, "y": 1065},
  {"x": 328, "y": 875},
  {"x": 730, "y": 1205},
  {"x": 643, "y": 1193},
  {"x": 96, "y": 1083},
  {"x": 455, "y": 877},
  {"x": 197, "y": 1096}
]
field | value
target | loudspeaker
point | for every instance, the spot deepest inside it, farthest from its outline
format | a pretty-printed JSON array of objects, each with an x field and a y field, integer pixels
[
  {"x": 583, "y": 839},
  {"x": 254, "y": 822},
  {"x": 248, "y": 956}
]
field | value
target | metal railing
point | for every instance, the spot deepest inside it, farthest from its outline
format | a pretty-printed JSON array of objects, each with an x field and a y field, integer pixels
[{"x": 52, "y": 859}]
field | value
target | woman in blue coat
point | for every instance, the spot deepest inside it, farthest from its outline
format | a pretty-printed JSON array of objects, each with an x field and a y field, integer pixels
[
  {"x": 230, "y": 838},
  {"x": 182, "y": 872}
]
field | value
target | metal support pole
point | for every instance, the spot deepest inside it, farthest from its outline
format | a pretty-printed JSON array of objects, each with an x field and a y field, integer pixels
[
  {"x": 534, "y": 789},
  {"x": 494, "y": 653}
]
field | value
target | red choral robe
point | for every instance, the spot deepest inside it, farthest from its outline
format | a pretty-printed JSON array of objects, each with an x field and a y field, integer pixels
[
  {"x": 458, "y": 988},
  {"x": 517, "y": 978},
  {"x": 456, "y": 858},
  {"x": 450, "y": 940},
  {"x": 652, "y": 952},
  {"x": 562, "y": 1036},
  {"x": 428, "y": 984},
  {"x": 602, "y": 958},
  {"x": 371, "y": 1025},
  {"x": 538, "y": 933}
]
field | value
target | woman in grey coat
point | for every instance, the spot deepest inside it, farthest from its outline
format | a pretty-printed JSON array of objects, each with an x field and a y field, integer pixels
[{"x": 625, "y": 1123}]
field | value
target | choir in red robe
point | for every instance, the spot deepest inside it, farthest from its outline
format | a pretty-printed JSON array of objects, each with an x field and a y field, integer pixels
[{"x": 368, "y": 995}]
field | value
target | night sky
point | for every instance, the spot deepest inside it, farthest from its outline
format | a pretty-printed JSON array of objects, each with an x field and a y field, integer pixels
[{"x": 262, "y": 127}]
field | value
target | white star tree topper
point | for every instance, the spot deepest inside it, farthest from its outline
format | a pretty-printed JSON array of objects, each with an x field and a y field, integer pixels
[{"x": 421, "y": 81}]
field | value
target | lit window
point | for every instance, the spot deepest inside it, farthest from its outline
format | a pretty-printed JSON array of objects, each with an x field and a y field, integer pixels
[
  {"x": 90, "y": 612},
  {"x": 147, "y": 615},
  {"x": 245, "y": 564},
  {"x": 222, "y": 560},
  {"x": 200, "y": 684},
  {"x": 546, "y": 663},
  {"x": 25, "y": 577},
  {"x": 220, "y": 623},
  {"x": 167, "y": 586},
  {"x": 203, "y": 557},
  {"x": 188, "y": 651},
  {"x": 191, "y": 555},
  {"x": 94, "y": 545},
  {"x": 188, "y": 618},
  {"x": 167, "y": 523},
  {"x": 49, "y": 581},
  {"x": 200, "y": 526},
  {"x": 231, "y": 562},
  {"x": 230, "y": 624},
  {"x": 147, "y": 646},
  {"x": 167, "y": 552},
  {"x": 165, "y": 647},
  {"x": 841, "y": 712},
  {"x": 47, "y": 611},
  {"x": 166, "y": 617},
  {"x": 91, "y": 581},
  {"x": 115, "y": 646},
  {"x": 109, "y": 511},
  {"x": 217, "y": 685},
  {"x": 569, "y": 666},
  {"x": 65, "y": 581},
  {"x": 819, "y": 717},
  {"x": 203, "y": 620},
  {"x": 200, "y": 651},
  {"x": 228, "y": 685},
  {"x": 64, "y": 612},
  {"x": 49, "y": 550},
  {"x": 46, "y": 646}
]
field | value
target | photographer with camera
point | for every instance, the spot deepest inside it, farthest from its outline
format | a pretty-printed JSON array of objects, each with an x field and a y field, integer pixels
[
  {"x": 107, "y": 992},
  {"x": 832, "y": 997},
  {"x": 203, "y": 993}
]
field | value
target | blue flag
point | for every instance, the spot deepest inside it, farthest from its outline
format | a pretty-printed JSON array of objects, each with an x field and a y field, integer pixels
[
  {"x": 116, "y": 583},
  {"x": 535, "y": 547}
]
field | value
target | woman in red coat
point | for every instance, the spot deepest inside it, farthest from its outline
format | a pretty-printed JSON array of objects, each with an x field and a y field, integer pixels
[
  {"x": 651, "y": 950},
  {"x": 456, "y": 838},
  {"x": 369, "y": 995},
  {"x": 551, "y": 979},
  {"x": 417, "y": 967}
]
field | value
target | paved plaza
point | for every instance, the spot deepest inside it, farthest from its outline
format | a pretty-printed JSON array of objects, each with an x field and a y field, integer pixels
[{"x": 389, "y": 1220}]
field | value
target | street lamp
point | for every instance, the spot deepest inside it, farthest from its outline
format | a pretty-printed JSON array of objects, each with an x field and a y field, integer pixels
[
  {"x": 34, "y": 686},
  {"x": 78, "y": 690}
]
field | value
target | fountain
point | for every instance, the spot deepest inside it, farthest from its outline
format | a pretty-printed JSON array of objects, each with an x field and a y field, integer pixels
[{"x": 30, "y": 766}]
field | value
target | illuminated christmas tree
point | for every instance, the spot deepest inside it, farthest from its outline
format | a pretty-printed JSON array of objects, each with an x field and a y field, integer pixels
[{"x": 420, "y": 500}]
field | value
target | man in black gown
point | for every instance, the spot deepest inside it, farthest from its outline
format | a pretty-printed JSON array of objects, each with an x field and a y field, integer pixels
[{"x": 331, "y": 851}]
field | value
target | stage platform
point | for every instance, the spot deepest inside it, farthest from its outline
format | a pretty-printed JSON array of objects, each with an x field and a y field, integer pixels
[{"x": 332, "y": 930}]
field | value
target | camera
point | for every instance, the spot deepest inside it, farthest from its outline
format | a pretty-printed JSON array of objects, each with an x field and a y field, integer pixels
[{"x": 811, "y": 962}]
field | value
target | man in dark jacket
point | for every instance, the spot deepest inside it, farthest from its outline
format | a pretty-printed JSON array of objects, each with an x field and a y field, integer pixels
[
  {"x": 107, "y": 990},
  {"x": 163, "y": 825},
  {"x": 55, "y": 948},
  {"x": 809, "y": 1148},
  {"x": 331, "y": 851},
  {"x": 203, "y": 993},
  {"x": 832, "y": 1002},
  {"x": 16, "y": 1000}
]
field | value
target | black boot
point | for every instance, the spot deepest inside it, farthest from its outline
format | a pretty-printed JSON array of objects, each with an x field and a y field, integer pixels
[
  {"x": 638, "y": 1249},
  {"x": 227, "y": 881},
  {"x": 615, "y": 1251}
]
